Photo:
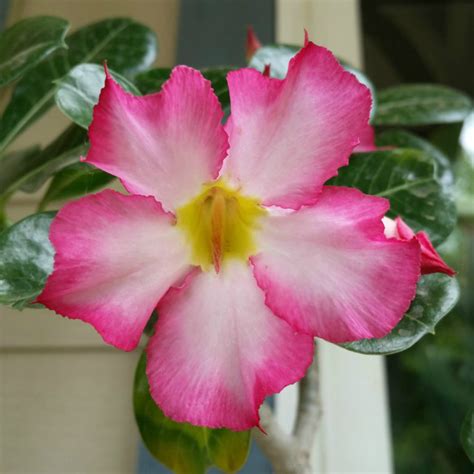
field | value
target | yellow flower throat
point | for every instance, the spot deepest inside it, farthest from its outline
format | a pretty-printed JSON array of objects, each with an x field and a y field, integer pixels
[{"x": 219, "y": 225}]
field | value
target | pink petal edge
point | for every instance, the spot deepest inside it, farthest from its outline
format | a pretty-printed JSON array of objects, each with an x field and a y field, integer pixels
[{"x": 115, "y": 257}]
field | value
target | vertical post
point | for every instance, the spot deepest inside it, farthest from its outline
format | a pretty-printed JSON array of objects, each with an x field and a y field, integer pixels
[{"x": 354, "y": 431}]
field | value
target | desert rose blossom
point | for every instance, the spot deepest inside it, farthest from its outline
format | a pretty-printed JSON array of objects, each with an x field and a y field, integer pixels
[
  {"x": 231, "y": 234},
  {"x": 431, "y": 261}
]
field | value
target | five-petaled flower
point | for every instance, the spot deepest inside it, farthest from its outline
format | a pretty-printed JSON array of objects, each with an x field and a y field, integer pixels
[{"x": 231, "y": 234}]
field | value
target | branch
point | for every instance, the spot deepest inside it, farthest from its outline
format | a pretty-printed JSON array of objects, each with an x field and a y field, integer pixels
[
  {"x": 277, "y": 446},
  {"x": 309, "y": 411},
  {"x": 290, "y": 454}
]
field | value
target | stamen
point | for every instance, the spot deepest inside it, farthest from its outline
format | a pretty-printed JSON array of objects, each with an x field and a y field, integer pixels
[
  {"x": 218, "y": 221},
  {"x": 219, "y": 224}
]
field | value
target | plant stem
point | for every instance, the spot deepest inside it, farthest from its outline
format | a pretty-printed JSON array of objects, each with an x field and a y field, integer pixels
[{"x": 290, "y": 453}]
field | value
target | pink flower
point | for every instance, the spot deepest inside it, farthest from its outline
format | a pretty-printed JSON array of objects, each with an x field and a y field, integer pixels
[
  {"x": 231, "y": 234},
  {"x": 431, "y": 261}
]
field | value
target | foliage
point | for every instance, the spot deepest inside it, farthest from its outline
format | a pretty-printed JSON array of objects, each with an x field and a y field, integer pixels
[
  {"x": 421, "y": 104},
  {"x": 184, "y": 448},
  {"x": 467, "y": 434},
  {"x": 408, "y": 178},
  {"x": 78, "y": 91},
  {"x": 28, "y": 42},
  {"x": 26, "y": 259}
]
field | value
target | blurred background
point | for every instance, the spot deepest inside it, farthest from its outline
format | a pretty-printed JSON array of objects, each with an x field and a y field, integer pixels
[{"x": 65, "y": 397}]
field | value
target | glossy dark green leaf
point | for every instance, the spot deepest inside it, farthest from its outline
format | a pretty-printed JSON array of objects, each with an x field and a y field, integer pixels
[
  {"x": 464, "y": 188},
  {"x": 28, "y": 169},
  {"x": 26, "y": 259},
  {"x": 14, "y": 166},
  {"x": 74, "y": 181},
  {"x": 467, "y": 435},
  {"x": 28, "y": 42},
  {"x": 184, "y": 448},
  {"x": 151, "y": 81},
  {"x": 278, "y": 57},
  {"x": 78, "y": 91},
  {"x": 128, "y": 47},
  {"x": 436, "y": 296},
  {"x": 421, "y": 104},
  {"x": 65, "y": 150},
  {"x": 405, "y": 139},
  {"x": 407, "y": 177},
  {"x": 218, "y": 78}
]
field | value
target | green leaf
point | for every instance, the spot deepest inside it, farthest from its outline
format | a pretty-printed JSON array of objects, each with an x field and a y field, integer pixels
[
  {"x": 14, "y": 166},
  {"x": 278, "y": 57},
  {"x": 421, "y": 104},
  {"x": 404, "y": 139},
  {"x": 467, "y": 435},
  {"x": 218, "y": 78},
  {"x": 26, "y": 43},
  {"x": 436, "y": 296},
  {"x": 28, "y": 169},
  {"x": 464, "y": 188},
  {"x": 408, "y": 179},
  {"x": 74, "y": 181},
  {"x": 78, "y": 91},
  {"x": 152, "y": 80},
  {"x": 184, "y": 448},
  {"x": 128, "y": 47},
  {"x": 26, "y": 259}
]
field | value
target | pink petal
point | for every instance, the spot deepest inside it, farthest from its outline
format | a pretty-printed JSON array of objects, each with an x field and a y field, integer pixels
[
  {"x": 166, "y": 144},
  {"x": 431, "y": 261},
  {"x": 115, "y": 257},
  {"x": 329, "y": 271},
  {"x": 218, "y": 351},
  {"x": 367, "y": 140},
  {"x": 287, "y": 137}
]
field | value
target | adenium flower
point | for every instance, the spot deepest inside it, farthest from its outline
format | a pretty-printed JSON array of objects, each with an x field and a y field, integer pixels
[
  {"x": 431, "y": 261},
  {"x": 230, "y": 232}
]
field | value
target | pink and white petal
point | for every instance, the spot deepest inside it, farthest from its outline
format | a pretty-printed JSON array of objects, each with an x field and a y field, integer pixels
[
  {"x": 329, "y": 271},
  {"x": 287, "y": 137},
  {"x": 218, "y": 351},
  {"x": 115, "y": 257},
  {"x": 166, "y": 144}
]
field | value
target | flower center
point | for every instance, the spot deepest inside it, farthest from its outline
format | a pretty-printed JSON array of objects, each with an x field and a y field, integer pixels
[{"x": 219, "y": 224}]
